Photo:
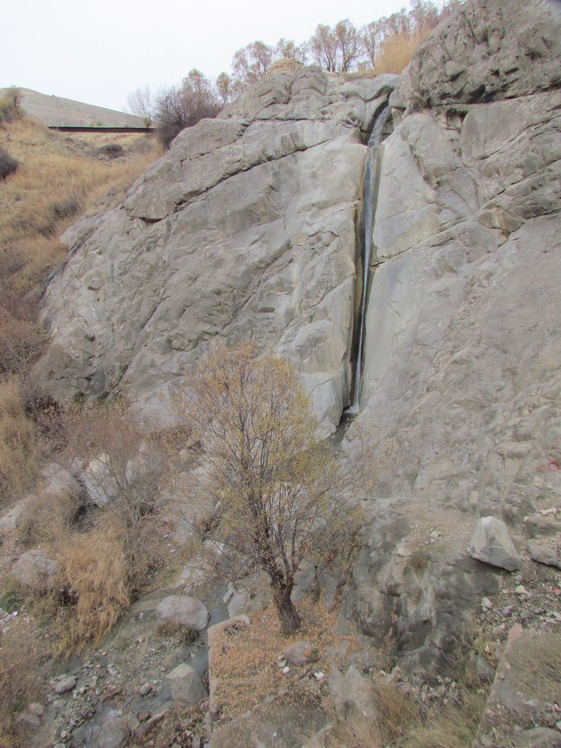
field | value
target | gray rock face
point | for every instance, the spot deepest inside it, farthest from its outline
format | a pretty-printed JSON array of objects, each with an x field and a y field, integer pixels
[
  {"x": 486, "y": 50},
  {"x": 353, "y": 695},
  {"x": 183, "y": 610},
  {"x": 492, "y": 544},
  {"x": 245, "y": 229}
]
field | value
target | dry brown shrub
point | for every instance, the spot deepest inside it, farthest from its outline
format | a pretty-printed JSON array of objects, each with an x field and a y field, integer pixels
[
  {"x": 397, "y": 51},
  {"x": 93, "y": 579},
  {"x": 106, "y": 565},
  {"x": 19, "y": 453},
  {"x": 246, "y": 664},
  {"x": 47, "y": 519}
]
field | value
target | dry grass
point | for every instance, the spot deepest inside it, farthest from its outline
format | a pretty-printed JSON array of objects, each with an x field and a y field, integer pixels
[
  {"x": 59, "y": 179},
  {"x": 18, "y": 444},
  {"x": 453, "y": 726},
  {"x": 94, "y": 579},
  {"x": 245, "y": 661},
  {"x": 397, "y": 52},
  {"x": 19, "y": 680}
]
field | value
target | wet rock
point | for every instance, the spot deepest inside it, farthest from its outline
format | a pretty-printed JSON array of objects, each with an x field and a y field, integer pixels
[
  {"x": 106, "y": 730},
  {"x": 491, "y": 543}
]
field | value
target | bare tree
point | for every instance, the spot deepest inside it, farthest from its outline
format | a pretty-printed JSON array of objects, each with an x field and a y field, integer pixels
[
  {"x": 323, "y": 45},
  {"x": 224, "y": 88},
  {"x": 140, "y": 102},
  {"x": 288, "y": 49},
  {"x": 371, "y": 37},
  {"x": 348, "y": 45},
  {"x": 251, "y": 63},
  {"x": 266, "y": 493},
  {"x": 178, "y": 108}
]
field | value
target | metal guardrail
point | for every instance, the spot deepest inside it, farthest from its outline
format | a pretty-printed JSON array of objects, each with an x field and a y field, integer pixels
[{"x": 73, "y": 128}]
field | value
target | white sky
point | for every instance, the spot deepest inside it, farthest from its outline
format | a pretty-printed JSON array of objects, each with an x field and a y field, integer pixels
[{"x": 99, "y": 51}]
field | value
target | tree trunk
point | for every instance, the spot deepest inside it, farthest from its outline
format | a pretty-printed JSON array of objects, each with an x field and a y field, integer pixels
[{"x": 289, "y": 618}]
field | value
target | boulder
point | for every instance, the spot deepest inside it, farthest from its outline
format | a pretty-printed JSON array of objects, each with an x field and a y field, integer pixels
[
  {"x": 299, "y": 653},
  {"x": 183, "y": 610},
  {"x": 186, "y": 686},
  {"x": 353, "y": 695},
  {"x": 35, "y": 570},
  {"x": 491, "y": 543},
  {"x": 546, "y": 552},
  {"x": 58, "y": 481},
  {"x": 11, "y": 519}
]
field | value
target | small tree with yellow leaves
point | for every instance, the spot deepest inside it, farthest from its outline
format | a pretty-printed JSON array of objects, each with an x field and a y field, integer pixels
[{"x": 266, "y": 493}]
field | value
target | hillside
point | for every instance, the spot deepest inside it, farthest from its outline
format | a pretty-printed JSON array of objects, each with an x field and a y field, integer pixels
[
  {"x": 397, "y": 240},
  {"x": 55, "y": 111}
]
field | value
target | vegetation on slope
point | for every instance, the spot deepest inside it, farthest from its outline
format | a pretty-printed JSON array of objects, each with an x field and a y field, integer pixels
[{"x": 381, "y": 46}]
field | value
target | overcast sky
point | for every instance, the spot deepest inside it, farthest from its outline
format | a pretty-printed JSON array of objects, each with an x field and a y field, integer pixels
[{"x": 99, "y": 51}]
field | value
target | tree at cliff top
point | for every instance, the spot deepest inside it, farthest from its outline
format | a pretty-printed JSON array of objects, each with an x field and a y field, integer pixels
[
  {"x": 178, "y": 108},
  {"x": 267, "y": 494}
]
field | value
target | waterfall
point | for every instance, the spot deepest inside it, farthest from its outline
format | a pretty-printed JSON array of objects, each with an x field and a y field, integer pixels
[{"x": 369, "y": 196}]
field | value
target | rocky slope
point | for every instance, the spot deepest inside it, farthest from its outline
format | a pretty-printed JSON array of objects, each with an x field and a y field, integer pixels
[{"x": 248, "y": 229}]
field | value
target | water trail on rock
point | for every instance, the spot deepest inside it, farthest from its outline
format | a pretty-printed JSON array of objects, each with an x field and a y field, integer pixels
[{"x": 368, "y": 201}]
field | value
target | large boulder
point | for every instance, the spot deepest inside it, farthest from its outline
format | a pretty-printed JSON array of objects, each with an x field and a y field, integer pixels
[
  {"x": 186, "y": 686},
  {"x": 492, "y": 544},
  {"x": 183, "y": 610},
  {"x": 35, "y": 570}
]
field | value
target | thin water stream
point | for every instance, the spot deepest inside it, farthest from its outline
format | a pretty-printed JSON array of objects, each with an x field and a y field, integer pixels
[{"x": 369, "y": 197}]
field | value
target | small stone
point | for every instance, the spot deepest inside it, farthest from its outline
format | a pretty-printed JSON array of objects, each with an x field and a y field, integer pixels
[
  {"x": 64, "y": 685},
  {"x": 25, "y": 721},
  {"x": 319, "y": 675},
  {"x": 299, "y": 653},
  {"x": 286, "y": 670},
  {"x": 521, "y": 590},
  {"x": 37, "y": 709},
  {"x": 145, "y": 689},
  {"x": 282, "y": 663},
  {"x": 486, "y": 604}
]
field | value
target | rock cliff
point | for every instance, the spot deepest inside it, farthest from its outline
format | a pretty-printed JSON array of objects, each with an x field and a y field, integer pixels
[{"x": 248, "y": 229}]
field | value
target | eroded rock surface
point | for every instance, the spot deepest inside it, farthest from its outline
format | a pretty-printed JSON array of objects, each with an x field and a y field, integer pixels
[
  {"x": 246, "y": 229},
  {"x": 462, "y": 375}
]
